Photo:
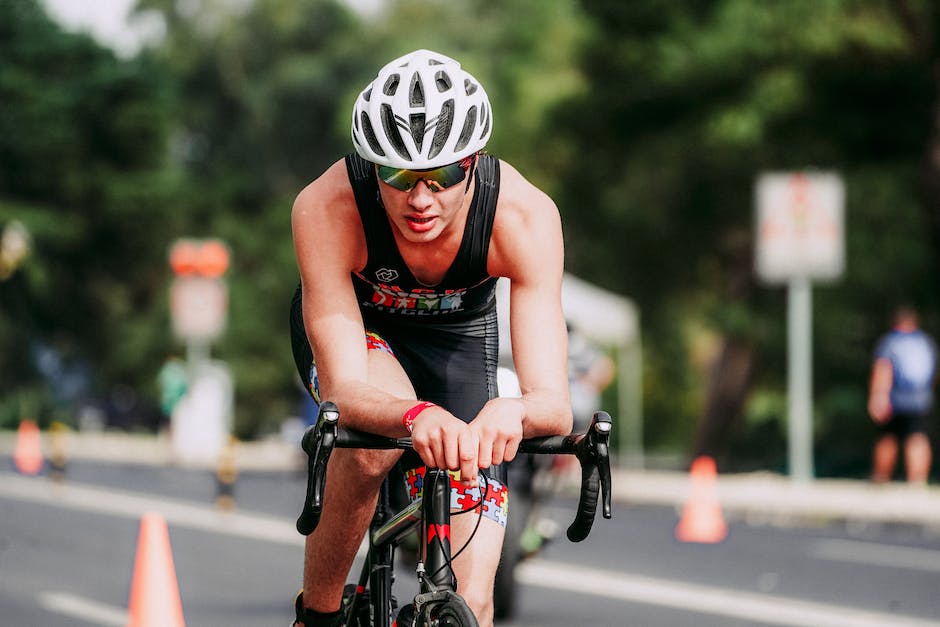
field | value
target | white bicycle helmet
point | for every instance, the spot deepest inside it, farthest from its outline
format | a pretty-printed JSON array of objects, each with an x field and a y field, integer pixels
[{"x": 421, "y": 111}]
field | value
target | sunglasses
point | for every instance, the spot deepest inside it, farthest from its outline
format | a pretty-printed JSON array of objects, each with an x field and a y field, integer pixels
[{"x": 437, "y": 179}]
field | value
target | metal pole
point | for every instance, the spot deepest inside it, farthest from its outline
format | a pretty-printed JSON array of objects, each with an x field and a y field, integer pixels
[
  {"x": 800, "y": 378},
  {"x": 630, "y": 405}
]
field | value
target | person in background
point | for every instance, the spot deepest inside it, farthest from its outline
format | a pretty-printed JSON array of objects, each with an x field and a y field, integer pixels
[
  {"x": 173, "y": 381},
  {"x": 900, "y": 398},
  {"x": 590, "y": 371}
]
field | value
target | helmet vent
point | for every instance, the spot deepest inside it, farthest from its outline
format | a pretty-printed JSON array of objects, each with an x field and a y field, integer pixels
[
  {"x": 391, "y": 85},
  {"x": 390, "y": 126},
  {"x": 416, "y": 92},
  {"x": 417, "y": 128},
  {"x": 367, "y": 95},
  {"x": 467, "y": 132},
  {"x": 370, "y": 134},
  {"x": 442, "y": 130},
  {"x": 469, "y": 86},
  {"x": 442, "y": 81}
]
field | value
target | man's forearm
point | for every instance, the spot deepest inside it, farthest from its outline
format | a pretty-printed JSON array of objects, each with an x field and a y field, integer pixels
[{"x": 546, "y": 413}]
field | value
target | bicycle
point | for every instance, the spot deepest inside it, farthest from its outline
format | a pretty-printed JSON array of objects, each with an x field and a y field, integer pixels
[{"x": 369, "y": 602}]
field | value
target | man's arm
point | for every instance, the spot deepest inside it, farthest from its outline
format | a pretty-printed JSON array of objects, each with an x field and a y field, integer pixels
[
  {"x": 879, "y": 393},
  {"x": 329, "y": 245},
  {"x": 527, "y": 248}
]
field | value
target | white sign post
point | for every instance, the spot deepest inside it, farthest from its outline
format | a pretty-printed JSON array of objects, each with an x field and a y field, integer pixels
[
  {"x": 800, "y": 238},
  {"x": 199, "y": 306}
]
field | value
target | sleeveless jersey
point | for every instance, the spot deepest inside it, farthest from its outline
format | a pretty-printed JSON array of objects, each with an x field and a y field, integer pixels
[{"x": 387, "y": 290}]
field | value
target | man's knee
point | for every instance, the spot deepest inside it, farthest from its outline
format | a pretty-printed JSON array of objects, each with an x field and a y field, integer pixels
[
  {"x": 371, "y": 466},
  {"x": 917, "y": 449},
  {"x": 480, "y": 600}
]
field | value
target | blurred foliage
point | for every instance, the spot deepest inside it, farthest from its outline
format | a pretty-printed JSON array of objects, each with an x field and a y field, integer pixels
[
  {"x": 688, "y": 102},
  {"x": 82, "y": 166},
  {"x": 647, "y": 121}
]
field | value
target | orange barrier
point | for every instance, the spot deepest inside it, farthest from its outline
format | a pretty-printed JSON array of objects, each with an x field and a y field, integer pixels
[
  {"x": 27, "y": 457},
  {"x": 155, "y": 598},
  {"x": 702, "y": 520}
]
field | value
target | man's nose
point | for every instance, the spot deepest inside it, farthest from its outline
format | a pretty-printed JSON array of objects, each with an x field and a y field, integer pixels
[{"x": 420, "y": 197}]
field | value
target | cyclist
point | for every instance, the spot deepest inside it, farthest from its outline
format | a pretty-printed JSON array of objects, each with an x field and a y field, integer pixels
[{"x": 399, "y": 247}]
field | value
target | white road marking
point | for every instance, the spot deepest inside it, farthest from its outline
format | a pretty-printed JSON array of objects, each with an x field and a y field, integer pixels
[
  {"x": 129, "y": 505},
  {"x": 565, "y": 577},
  {"x": 83, "y": 609},
  {"x": 857, "y": 552},
  {"x": 699, "y": 599}
]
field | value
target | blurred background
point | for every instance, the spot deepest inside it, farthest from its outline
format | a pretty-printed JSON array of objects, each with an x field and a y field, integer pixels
[{"x": 648, "y": 123}]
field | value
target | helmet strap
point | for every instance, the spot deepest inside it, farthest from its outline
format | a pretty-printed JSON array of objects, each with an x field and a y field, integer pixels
[{"x": 473, "y": 168}]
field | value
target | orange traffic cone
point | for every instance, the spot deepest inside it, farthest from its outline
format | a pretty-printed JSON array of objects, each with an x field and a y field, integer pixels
[
  {"x": 155, "y": 598},
  {"x": 27, "y": 457},
  {"x": 701, "y": 519}
]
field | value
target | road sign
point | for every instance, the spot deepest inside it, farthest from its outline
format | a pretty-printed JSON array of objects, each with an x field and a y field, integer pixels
[
  {"x": 800, "y": 238},
  {"x": 199, "y": 295},
  {"x": 199, "y": 306},
  {"x": 208, "y": 257},
  {"x": 800, "y": 226}
]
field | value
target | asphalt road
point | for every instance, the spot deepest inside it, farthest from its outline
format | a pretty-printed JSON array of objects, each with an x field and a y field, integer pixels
[{"x": 67, "y": 552}]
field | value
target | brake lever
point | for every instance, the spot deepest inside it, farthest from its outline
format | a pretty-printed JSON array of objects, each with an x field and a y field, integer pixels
[
  {"x": 317, "y": 442},
  {"x": 602, "y": 427}
]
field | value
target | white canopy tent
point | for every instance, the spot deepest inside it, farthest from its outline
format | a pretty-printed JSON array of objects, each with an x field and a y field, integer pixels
[{"x": 611, "y": 321}]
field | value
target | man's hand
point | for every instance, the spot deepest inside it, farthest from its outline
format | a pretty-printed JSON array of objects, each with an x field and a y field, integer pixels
[
  {"x": 498, "y": 429},
  {"x": 444, "y": 441}
]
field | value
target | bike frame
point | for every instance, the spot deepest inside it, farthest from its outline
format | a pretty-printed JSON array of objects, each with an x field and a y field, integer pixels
[{"x": 430, "y": 512}]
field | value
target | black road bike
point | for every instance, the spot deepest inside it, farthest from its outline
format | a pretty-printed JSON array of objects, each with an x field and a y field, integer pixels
[{"x": 369, "y": 602}]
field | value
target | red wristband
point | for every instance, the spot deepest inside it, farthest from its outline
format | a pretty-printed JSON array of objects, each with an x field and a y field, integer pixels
[{"x": 409, "y": 418}]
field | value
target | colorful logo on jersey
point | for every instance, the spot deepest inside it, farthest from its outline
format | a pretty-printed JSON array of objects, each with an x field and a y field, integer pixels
[{"x": 415, "y": 302}]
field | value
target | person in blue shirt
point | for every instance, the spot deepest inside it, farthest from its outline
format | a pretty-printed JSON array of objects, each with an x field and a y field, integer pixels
[{"x": 900, "y": 398}]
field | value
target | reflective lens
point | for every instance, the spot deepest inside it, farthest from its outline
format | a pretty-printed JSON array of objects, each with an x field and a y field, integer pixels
[{"x": 437, "y": 178}]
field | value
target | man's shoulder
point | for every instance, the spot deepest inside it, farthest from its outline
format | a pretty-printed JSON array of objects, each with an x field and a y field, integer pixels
[
  {"x": 328, "y": 206},
  {"x": 524, "y": 215},
  {"x": 519, "y": 198},
  {"x": 896, "y": 340},
  {"x": 331, "y": 189}
]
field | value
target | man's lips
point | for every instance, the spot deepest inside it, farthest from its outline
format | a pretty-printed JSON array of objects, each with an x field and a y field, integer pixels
[{"x": 420, "y": 224}]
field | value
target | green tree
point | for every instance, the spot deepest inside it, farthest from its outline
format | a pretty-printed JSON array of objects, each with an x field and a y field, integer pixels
[
  {"x": 262, "y": 111},
  {"x": 82, "y": 142},
  {"x": 688, "y": 102}
]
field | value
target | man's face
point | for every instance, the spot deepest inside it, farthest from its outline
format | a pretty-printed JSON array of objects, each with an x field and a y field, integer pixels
[{"x": 425, "y": 211}]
